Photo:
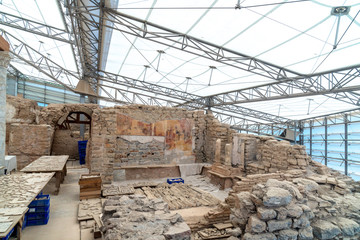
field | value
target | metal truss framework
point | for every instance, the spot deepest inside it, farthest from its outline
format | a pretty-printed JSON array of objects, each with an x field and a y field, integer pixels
[
  {"x": 41, "y": 29},
  {"x": 289, "y": 84},
  {"x": 88, "y": 21},
  {"x": 153, "y": 32},
  {"x": 141, "y": 92},
  {"x": 35, "y": 27},
  {"x": 337, "y": 84}
]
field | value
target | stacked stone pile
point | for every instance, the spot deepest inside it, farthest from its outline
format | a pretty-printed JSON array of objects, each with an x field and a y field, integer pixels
[
  {"x": 277, "y": 212},
  {"x": 301, "y": 209},
  {"x": 137, "y": 217},
  {"x": 246, "y": 183},
  {"x": 273, "y": 156},
  {"x": 220, "y": 214}
]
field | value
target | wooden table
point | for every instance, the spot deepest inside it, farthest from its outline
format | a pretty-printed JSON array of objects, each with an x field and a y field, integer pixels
[
  {"x": 18, "y": 191},
  {"x": 46, "y": 164}
]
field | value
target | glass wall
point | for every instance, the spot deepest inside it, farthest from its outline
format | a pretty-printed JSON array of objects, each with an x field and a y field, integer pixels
[
  {"x": 42, "y": 91},
  {"x": 335, "y": 141}
]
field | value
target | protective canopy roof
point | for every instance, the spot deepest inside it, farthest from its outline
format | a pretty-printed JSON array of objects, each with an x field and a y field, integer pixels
[{"x": 303, "y": 37}]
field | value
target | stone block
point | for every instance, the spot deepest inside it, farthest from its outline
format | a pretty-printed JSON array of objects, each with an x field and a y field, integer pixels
[
  {"x": 266, "y": 213},
  {"x": 263, "y": 236},
  {"x": 348, "y": 227},
  {"x": 294, "y": 211},
  {"x": 255, "y": 225},
  {"x": 306, "y": 234},
  {"x": 275, "y": 225},
  {"x": 277, "y": 197},
  {"x": 325, "y": 230},
  {"x": 288, "y": 234},
  {"x": 302, "y": 222},
  {"x": 180, "y": 231}
]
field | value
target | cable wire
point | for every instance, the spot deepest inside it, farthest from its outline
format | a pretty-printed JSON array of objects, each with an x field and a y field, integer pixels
[{"x": 212, "y": 8}]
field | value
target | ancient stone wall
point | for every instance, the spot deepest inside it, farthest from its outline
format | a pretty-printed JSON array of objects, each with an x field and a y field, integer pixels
[
  {"x": 66, "y": 143},
  {"x": 140, "y": 135},
  {"x": 28, "y": 142},
  {"x": 261, "y": 154},
  {"x": 216, "y": 130},
  {"x": 54, "y": 112},
  {"x": 20, "y": 110}
]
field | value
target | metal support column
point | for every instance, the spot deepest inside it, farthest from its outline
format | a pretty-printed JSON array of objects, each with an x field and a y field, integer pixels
[
  {"x": 4, "y": 62},
  {"x": 295, "y": 130},
  {"x": 326, "y": 140},
  {"x": 346, "y": 143},
  {"x": 310, "y": 140}
]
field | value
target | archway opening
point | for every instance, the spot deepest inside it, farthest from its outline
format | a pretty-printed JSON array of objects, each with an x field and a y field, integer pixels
[{"x": 71, "y": 129}]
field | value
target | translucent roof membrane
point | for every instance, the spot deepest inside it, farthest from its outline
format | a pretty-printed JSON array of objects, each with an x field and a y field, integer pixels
[
  {"x": 302, "y": 37},
  {"x": 44, "y": 12}
]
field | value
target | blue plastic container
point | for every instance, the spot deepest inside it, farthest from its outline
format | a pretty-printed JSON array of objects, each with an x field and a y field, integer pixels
[
  {"x": 175, "y": 180},
  {"x": 40, "y": 201},
  {"x": 36, "y": 222},
  {"x": 37, "y": 215},
  {"x": 8, "y": 235},
  {"x": 39, "y": 209},
  {"x": 82, "y": 151}
]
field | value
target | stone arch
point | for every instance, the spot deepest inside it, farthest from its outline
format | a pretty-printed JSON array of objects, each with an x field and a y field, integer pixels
[{"x": 67, "y": 129}]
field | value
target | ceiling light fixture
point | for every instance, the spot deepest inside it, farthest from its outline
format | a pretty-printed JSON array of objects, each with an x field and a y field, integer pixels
[
  {"x": 339, "y": 12},
  {"x": 212, "y": 69}
]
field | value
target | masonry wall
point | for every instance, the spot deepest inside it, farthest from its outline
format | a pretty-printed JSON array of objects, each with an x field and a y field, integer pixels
[
  {"x": 29, "y": 141},
  {"x": 216, "y": 130},
  {"x": 66, "y": 143},
  {"x": 144, "y": 135}
]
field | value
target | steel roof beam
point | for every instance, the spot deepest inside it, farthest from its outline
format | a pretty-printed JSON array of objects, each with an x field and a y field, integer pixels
[
  {"x": 34, "y": 27},
  {"x": 168, "y": 37},
  {"x": 289, "y": 84},
  {"x": 338, "y": 85},
  {"x": 37, "y": 60}
]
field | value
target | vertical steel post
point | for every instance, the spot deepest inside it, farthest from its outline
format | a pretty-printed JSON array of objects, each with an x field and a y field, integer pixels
[
  {"x": 346, "y": 143},
  {"x": 310, "y": 140},
  {"x": 326, "y": 140}
]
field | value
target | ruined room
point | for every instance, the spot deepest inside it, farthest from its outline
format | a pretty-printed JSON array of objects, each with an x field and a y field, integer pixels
[{"x": 179, "y": 120}]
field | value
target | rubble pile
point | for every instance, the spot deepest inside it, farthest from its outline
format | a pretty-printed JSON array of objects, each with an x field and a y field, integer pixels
[
  {"x": 137, "y": 217},
  {"x": 298, "y": 209}
]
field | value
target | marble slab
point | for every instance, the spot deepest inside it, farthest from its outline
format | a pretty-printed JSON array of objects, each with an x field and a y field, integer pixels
[{"x": 47, "y": 164}]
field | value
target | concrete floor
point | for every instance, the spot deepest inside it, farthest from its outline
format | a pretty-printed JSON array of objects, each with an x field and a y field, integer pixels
[{"x": 63, "y": 222}]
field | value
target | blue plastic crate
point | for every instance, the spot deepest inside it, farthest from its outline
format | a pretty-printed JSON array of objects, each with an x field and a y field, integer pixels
[
  {"x": 82, "y": 145},
  {"x": 39, "y": 209},
  {"x": 8, "y": 235},
  {"x": 37, "y": 216},
  {"x": 36, "y": 222},
  {"x": 175, "y": 180},
  {"x": 24, "y": 223},
  {"x": 82, "y": 151},
  {"x": 40, "y": 201}
]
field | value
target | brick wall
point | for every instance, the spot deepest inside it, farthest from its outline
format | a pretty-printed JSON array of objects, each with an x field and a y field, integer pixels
[
  {"x": 28, "y": 142},
  {"x": 139, "y": 150},
  {"x": 66, "y": 142}
]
